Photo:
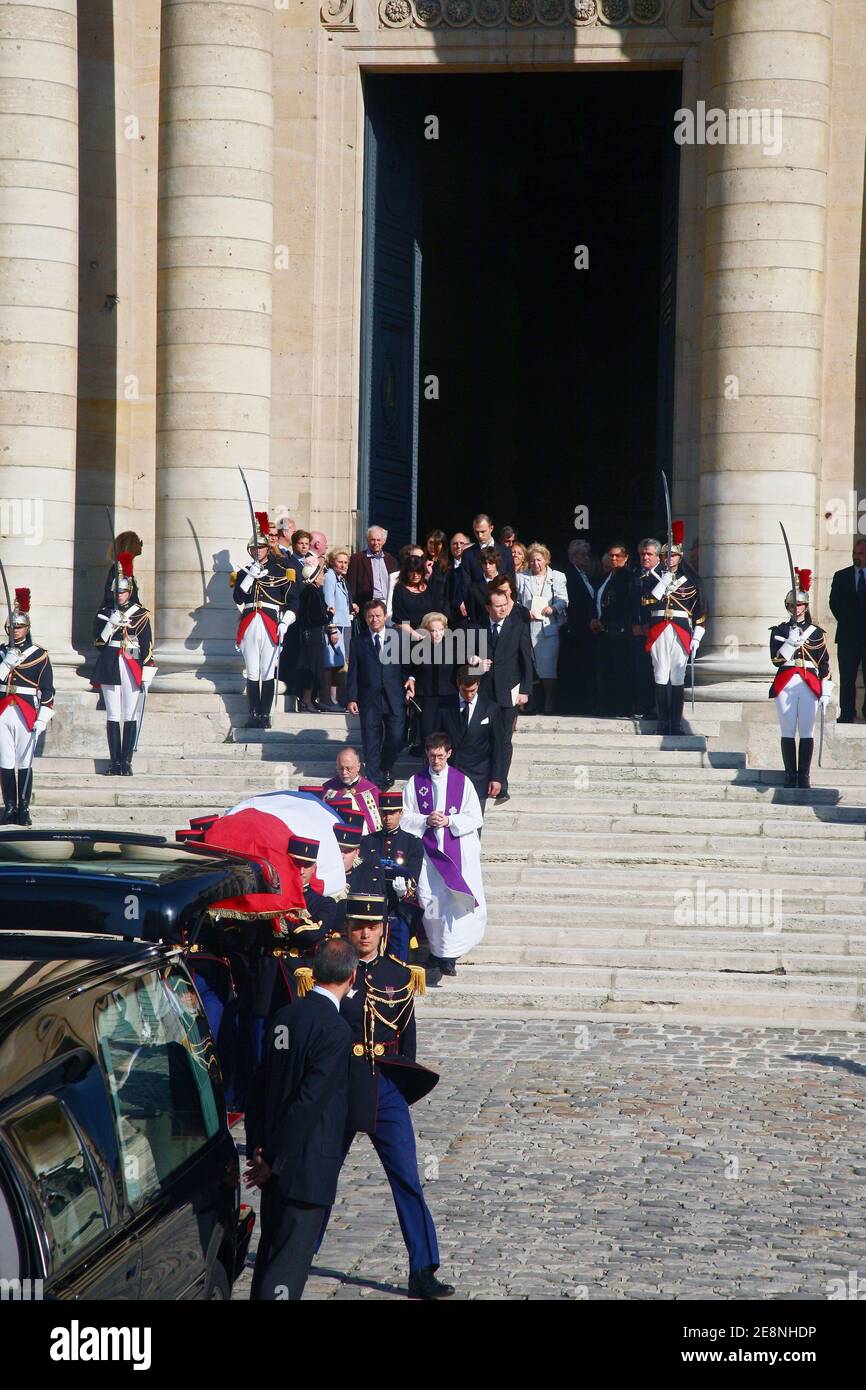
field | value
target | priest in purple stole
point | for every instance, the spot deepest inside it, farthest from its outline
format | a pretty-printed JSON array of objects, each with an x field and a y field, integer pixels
[{"x": 441, "y": 806}]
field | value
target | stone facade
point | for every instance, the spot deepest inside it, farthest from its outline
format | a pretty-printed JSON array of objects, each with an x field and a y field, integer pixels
[{"x": 182, "y": 282}]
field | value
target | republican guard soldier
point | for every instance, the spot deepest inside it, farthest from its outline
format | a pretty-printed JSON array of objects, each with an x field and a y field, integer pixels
[
  {"x": 267, "y": 595},
  {"x": 123, "y": 635},
  {"x": 676, "y": 617},
  {"x": 26, "y": 706},
  {"x": 399, "y": 856},
  {"x": 798, "y": 649}
]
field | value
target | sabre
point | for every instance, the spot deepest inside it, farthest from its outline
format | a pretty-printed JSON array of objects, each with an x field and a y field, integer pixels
[
  {"x": 793, "y": 576},
  {"x": 139, "y": 715},
  {"x": 113, "y": 548},
  {"x": 252, "y": 511},
  {"x": 821, "y": 735},
  {"x": 670, "y": 517},
  {"x": 8, "y": 597}
]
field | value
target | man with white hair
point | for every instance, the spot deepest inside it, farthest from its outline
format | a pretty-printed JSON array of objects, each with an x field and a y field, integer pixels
[{"x": 368, "y": 572}]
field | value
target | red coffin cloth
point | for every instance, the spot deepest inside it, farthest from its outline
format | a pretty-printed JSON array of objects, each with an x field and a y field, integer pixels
[
  {"x": 273, "y": 631},
  {"x": 782, "y": 678},
  {"x": 260, "y": 836},
  {"x": 28, "y": 711},
  {"x": 682, "y": 633}
]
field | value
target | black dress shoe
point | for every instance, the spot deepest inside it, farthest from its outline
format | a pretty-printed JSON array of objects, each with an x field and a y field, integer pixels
[
  {"x": 387, "y": 780},
  {"x": 501, "y": 799},
  {"x": 424, "y": 1284},
  {"x": 448, "y": 967}
]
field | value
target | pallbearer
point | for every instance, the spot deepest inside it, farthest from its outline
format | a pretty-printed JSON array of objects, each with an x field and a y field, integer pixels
[
  {"x": 267, "y": 595},
  {"x": 123, "y": 633},
  {"x": 676, "y": 616},
  {"x": 799, "y": 649},
  {"x": 26, "y": 706}
]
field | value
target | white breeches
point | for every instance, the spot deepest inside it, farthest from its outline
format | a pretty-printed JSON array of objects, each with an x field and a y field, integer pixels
[
  {"x": 796, "y": 707},
  {"x": 17, "y": 743},
  {"x": 260, "y": 654},
  {"x": 121, "y": 700},
  {"x": 668, "y": 658}
]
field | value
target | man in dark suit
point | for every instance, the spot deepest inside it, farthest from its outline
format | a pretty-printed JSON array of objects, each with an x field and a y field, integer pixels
[
  {"x": 848, "y": 606},
  {"x": 456, "y": 583},
  {"x": 375, "y": 691},
  {"x": 483, "y": 528},
  {"x": 578, "y": 643},
  {"x": 475, "y": 730},
  {"x": 507, "y": 669},
  {"x": 367, "y": 575},
  {"x": 296, "y": 1122},
  {"x": 613, "y": 624}
]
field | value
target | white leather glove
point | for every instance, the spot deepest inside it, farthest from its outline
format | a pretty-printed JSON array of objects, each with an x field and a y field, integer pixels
[
  {"x": 791, "y": 644},
  {"x": 826, "y": 692},
  {"x": 401, "y": 887},
  {"x": 663, "y": 584},
  {"x": 697, "y": 637},
  {"x": 147, "y": 674},
  {"x": 115, "y": 617},
  {"x": 10, "y": 661},
  {"x": 254, "y": 572},
  {"x": 43, "y": 719},
  {"x": 286, "y": 622}
]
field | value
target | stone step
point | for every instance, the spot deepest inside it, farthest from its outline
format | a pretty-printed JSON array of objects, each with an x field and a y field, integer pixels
[
  {"x": 803, "y": 998},
  {"x": 723, "y": 958},
  {"x": 594, "y": 895},
  {"x": 575, "y": 881},
  {"x": 529, "y": 935}
]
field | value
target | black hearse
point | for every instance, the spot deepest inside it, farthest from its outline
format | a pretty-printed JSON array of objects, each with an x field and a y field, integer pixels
[
  {"x": 119, "y": 883},
  {"x": 119, "y": 1178}
]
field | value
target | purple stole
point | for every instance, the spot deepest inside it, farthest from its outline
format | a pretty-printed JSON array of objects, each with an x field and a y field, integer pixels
[{"x": 448, "y": 858}]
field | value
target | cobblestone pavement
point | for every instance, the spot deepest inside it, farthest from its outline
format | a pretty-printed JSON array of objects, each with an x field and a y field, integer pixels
[{"x": 606, "y": 1161}]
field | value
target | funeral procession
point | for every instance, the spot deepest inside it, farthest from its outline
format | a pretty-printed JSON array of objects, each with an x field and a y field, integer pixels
[{"x": 433, "y": 666}]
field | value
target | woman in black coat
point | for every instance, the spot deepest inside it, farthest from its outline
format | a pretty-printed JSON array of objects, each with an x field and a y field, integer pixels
[
  {"x": 313, "y": 620},
  {"x": 433, "y": 683}
]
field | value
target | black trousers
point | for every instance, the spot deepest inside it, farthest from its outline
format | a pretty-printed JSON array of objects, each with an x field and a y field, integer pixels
[
  {"x": 615, "y": 674},
  {"x": 287, "y": 1244},
  {"x": 644, "y": 684},
  {"x": 851, "y": 657},
  {"x": 382, "y": 735},
  {"x": 509, "y": 720}
]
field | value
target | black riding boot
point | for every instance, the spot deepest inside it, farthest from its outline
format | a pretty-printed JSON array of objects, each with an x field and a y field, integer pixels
[
  {"x": 267, "y": 699},
  {"x": 805, "y": 762},
  {"x": 789, "y": 761},
  {"x": 113, "y": 729},
  {"x": 10, "y": 795},
  {"x": 126, "y": 749},
  {"x": 677, "y": 693},
  {"x": 253, "y": 703},
  {"x": 663, "y": 708},
  {"x": 25, "y": 786}
]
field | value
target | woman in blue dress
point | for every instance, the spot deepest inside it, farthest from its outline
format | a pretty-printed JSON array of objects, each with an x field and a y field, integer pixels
[{"x": 338, "y": 602}]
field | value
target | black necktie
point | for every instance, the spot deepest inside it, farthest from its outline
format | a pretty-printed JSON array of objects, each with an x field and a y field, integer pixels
[
  {"x": 494, "y": 635},
  {"x": 464, "y": 715},
  {"x": 861, "y": 591},
  {"x": 377, "y": 644}
]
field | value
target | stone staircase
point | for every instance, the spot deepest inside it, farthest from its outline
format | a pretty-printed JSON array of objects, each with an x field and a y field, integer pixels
[{"x": 628, "y": 875}]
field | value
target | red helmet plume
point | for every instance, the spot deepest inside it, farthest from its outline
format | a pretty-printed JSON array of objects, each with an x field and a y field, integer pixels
[
  {"x": 22, "y": 600},
  {"x": 263, "y": 522},
  {"x": 124, "y": 561},
  {"x": 804, "y": 579},
  {"x": 678, "y": 529}
]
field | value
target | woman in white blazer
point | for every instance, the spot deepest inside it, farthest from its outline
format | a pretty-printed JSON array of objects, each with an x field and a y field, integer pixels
[{"x": 544, "y": 592}]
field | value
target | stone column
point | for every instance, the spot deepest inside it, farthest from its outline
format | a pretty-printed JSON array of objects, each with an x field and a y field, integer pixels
[
  {"x": 39, "y": 309},
  {"x": 763, "y": 320},
  {"x": 215, "y": 261}
]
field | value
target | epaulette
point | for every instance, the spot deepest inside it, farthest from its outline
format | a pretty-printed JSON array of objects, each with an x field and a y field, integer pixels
[
  {"x": 417, "y": 975},
  {"x": 303, "y": 980},
  {"x": 233, "y": 579}
]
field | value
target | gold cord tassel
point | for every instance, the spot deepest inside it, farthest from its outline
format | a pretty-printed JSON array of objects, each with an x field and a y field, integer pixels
[
  {"x": 303, "y": 981},
  {"x": 418, "y": 982}
]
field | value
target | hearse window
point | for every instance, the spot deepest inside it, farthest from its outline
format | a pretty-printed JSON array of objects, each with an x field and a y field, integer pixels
[
  {"x": 157, "y": 1055},
  {"x": 71, "y": 1210},
  {"x": 10, "y": 1251}
]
